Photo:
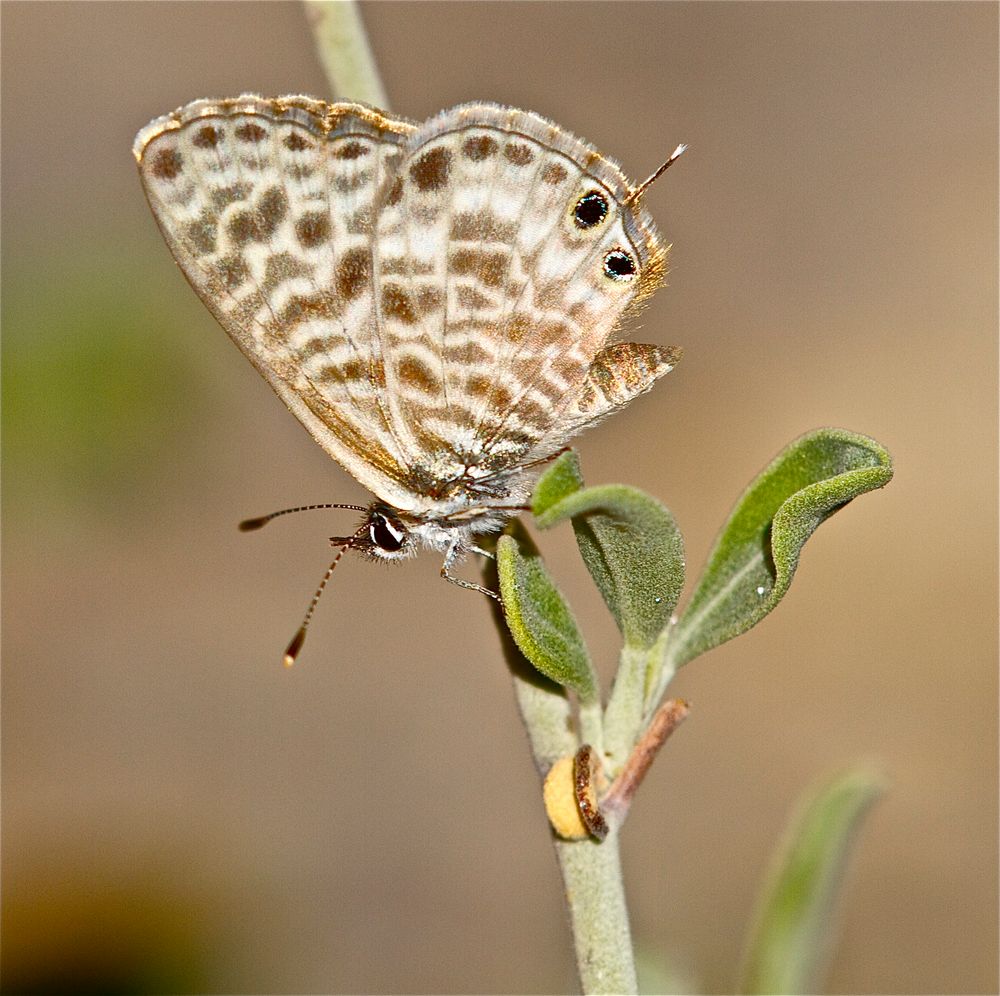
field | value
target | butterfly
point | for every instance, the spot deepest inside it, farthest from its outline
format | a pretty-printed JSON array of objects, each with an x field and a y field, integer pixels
[{"x": 435, "y": 302}]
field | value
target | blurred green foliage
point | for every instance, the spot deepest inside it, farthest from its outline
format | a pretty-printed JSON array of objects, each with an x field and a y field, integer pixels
[
  {"x": 794, "y": 930},
  {"x": 98, "y": 389}
]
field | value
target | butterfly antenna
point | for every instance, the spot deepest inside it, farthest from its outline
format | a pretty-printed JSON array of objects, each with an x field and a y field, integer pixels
[
  {"x": 300, "y": 637},
  {"x": 248, "y": 525},
  {"x": 637, "y": 192}
]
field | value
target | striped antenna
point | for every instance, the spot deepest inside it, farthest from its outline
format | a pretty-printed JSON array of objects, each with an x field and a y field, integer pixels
[
  {"x": 248, "y": 525},
  {"x": 346, "y": 542},
  {"x": 637, "y": 192}
]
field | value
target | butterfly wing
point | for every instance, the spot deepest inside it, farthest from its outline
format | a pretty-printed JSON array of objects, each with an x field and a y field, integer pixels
[
  {"x": 619, "y": 373},
  {"x": 496, "y": 295},
  {"x": 268, "y": 208}
]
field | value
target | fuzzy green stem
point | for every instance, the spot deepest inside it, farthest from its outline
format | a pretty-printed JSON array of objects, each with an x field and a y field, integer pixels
[
  {"x": 595, "y": 894},
  {"x": 344, "y": 51},
  {"x": 591, "y": 871},
  {"x": 546, "y": 714},
  {"x": 592, "y": 725},
  {"x": 623, "y": 718}
]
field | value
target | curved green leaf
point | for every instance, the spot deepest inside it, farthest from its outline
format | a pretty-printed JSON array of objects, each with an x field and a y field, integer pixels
[
  {"x": 559, "y": 481},
  {"x": 544, "y": 705},
  {"x": 634, "y": 552},
  {"x": 791, "y": 933},
  {"x": 539, "y": 618},
  {"x": 757, "y": 552}
]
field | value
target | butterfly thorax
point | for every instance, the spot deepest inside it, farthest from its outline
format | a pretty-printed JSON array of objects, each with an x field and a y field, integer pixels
[{"x": 390, "y": 534}]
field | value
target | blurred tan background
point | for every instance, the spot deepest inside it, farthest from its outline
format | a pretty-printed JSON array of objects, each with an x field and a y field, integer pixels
[{"x": 182, "y": 814}]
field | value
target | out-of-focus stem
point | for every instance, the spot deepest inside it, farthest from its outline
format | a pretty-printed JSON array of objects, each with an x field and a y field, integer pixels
[{"x": 343, "y": 48}]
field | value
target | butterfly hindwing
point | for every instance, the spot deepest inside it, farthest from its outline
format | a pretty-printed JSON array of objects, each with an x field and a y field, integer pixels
[{"x": 494, "y": 298}]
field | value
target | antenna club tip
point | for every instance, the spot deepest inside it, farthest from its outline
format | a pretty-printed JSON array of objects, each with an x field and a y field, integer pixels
[
  {"x": 249, "y": 525},
  {"x": 294, "y": 647},
  {"x": 680, "y": 150}
]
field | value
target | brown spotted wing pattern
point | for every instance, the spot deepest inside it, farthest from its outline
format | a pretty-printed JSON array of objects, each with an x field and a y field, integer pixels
[{"x": 434, "y": 302}]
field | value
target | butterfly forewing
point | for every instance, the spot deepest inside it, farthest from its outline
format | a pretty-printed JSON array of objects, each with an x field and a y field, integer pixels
[{"x": 268, "y": 207}]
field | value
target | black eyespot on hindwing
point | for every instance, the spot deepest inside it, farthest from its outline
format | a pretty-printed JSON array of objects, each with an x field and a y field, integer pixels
[
  {"x": 590, "y": 210},
  {"x": 619, "y": 265}
]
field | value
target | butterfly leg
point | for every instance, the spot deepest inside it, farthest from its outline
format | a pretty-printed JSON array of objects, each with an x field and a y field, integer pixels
[
  {"x": 547, "y": 459},
  {"x": 449, "y": 560}
]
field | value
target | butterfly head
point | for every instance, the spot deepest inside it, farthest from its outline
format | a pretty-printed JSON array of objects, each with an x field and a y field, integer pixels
[{"x": 383, "y": 535}]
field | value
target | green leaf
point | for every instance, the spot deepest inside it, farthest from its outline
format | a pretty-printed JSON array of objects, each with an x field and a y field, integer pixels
[
  {"x": 757, "y": 552},
  {"x": 559, "y": 481},
  {"x": 792, "y": 931},
  {"x": 544, "y": 706},
  {"x": 634, "y": 552},
  {"x": 539, "y": 618}
]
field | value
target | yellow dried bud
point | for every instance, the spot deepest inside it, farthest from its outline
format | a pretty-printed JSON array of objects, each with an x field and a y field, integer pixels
[{"x": 559, "y": 794}]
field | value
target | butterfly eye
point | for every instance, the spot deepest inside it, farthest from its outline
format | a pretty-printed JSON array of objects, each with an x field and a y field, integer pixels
[
  {"x": 590, "y": 210},
  {"x": 619, "y": 265},
  {"x": 386, "y": 533}
]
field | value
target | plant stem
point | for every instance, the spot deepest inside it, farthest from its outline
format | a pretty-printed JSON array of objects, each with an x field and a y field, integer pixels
[
  {"x": 668, "y": 717},
  {"x": 545, "y": 712},
  {"x": 591, "y": 871},
  {"x": 624, "y": 714},
  {"x": 344, "y": 51},
  {"x": 595, "y": 894},
  {"x": 592, "y": 725}
]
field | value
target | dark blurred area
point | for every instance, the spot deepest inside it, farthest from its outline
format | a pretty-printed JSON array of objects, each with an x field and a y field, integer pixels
[{"x": 181, "y": 814}]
